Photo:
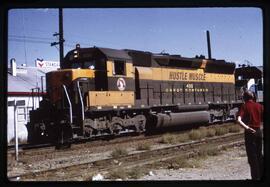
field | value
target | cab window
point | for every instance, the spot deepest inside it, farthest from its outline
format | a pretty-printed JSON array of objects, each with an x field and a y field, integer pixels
[
  {"x": 89, "y": 64},
  {"x": 119, "y": 67},
  {"x": 76, "y": 65}
]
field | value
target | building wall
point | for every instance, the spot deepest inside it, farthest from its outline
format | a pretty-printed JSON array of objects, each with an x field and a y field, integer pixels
[
  {"x": 21, "y": 81},
  {"x": 22, "y": 116}
]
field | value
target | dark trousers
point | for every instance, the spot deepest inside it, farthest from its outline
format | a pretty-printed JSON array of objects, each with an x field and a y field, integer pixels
[{"x": 253, "y": 144}]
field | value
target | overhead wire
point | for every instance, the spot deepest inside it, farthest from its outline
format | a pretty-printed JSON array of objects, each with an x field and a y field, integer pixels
[
  {"x": 25, "y": 54},
  {"x": 30, "y": 37},
  {"x": 29, "y": 41},
  {"x": 36, "y": 41}
]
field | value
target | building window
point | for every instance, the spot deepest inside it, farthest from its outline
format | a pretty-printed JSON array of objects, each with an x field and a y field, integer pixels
[
  {"x": 21, "y": 114},
  {"x": 119, "y": 67}
]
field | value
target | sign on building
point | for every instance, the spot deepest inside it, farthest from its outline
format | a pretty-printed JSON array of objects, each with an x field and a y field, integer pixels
[{"x": 46, "y": 64}]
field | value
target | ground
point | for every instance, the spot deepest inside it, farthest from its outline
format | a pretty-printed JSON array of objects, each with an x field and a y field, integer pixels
[{"x": 229, "y": 165}]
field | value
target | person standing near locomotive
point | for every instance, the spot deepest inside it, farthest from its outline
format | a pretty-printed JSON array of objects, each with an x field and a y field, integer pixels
[{"x": 250, "y": 117}]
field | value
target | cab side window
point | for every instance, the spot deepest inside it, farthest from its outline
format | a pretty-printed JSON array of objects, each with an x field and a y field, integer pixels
[{"x": 119, "y": 67}]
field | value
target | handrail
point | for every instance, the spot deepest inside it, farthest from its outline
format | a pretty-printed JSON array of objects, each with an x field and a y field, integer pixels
[
  {"x": 80, "y": 94},
  {"x": 70, "y": 106}
]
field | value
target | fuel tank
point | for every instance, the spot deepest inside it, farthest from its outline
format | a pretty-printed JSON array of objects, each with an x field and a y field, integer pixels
[
  {"x": 180, "y": 119},
  {"x": 189, "y": 108}
]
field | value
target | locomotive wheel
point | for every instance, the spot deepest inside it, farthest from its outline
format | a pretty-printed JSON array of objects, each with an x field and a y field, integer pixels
[
  {"x": 88, "y": 132},
  {"x": 140, "y": 123},
  {"x": 116, "y": 125}
]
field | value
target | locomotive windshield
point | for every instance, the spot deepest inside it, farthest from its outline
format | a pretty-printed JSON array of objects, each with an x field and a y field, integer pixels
[{"x": 84, "y": 65}]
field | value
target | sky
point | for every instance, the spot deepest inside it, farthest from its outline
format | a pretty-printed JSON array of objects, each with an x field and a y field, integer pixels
[{"x": 236, "y": 33}]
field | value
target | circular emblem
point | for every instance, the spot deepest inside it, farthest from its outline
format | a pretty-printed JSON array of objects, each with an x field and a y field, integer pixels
[{"x": 121, "y": 84}]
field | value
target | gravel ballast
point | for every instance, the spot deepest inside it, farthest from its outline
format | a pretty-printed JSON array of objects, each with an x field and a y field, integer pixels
[{"x": 229, "y": 165}]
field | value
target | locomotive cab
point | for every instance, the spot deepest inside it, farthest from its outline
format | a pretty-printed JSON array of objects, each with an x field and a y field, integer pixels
[
  {"x": 113, "y": 77},
  {"x": 109, "y": 73}
]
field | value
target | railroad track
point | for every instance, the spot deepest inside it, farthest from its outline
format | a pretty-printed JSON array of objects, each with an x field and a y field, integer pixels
[
  {"x": 40, "y": 155},
  {"x": 26, "y": 146},
  {"x": 39, "y": 152},
  {"x": 85, "y": 170},
  {"x": 22, "y": 147}
]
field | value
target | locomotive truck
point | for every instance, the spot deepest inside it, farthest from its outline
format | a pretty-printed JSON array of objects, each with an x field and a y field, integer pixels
[{"x": 100, "y": 91}]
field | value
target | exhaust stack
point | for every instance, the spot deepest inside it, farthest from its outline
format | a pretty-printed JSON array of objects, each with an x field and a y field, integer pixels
[{"x": 208, "y": 44}]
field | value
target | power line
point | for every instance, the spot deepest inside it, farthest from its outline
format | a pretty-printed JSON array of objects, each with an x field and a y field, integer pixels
[
  {"x": 29, "y": 41},
  {"x": 25, "y": 54},
  {"x": 36, "y": 41},
  {"x": 72, "y": 43},
  {"x": 30, "y": 37}
]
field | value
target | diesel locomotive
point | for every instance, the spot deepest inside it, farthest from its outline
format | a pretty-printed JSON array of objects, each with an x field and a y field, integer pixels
[{"x": 102, "y": 91}]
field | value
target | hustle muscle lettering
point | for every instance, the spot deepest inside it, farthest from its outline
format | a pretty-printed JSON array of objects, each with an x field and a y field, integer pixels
[
  {"x": 197, "y": 76},
  {"x": 186, "y": 76},
  {"x": 178, "y": 76}
]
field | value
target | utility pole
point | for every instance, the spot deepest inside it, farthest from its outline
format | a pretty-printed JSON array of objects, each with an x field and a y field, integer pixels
[{"x": 61, "y": 38}]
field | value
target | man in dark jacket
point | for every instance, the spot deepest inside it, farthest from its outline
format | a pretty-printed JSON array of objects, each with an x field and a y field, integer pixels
[{"x": 250, "y": 117}]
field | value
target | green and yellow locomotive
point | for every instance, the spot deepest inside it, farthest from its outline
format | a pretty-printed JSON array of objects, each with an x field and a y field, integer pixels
[{"x": 100, "y": 91}]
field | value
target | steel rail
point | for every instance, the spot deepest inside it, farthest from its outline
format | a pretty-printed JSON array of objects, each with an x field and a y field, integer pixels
[
  {"x": 134, "y": 158},
  {"x": 27, "y": 146}
]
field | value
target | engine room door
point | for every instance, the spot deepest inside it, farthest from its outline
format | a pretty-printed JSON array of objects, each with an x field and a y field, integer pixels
[{"x": 101, "y": 78}]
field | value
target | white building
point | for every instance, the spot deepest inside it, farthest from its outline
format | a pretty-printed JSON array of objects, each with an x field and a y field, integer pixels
[{"x": 28, "y": 84}]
